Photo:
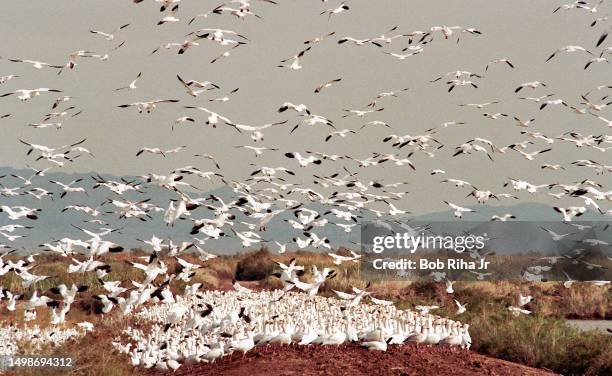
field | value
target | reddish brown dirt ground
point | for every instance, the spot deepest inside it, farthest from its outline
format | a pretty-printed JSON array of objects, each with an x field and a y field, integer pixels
[{"x": 408, "y": 360}]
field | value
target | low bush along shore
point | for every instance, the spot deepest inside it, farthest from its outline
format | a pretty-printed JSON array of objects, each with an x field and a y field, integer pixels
[{"x": 540, "y": 339}]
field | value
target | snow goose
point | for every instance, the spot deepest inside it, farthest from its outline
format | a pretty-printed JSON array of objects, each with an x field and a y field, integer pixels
[
  {"x": 109, "y": 36},
  {"x": 170, "y": 18},
  {"x": 258, "y": 150},
  {"x": 570, "y": 212},
  {"x": 503, "y": 218},
  {"x": 376, "y": 345},
  {"x": 213, "y": 117},
  {"x": 35, "y": 64},
  {"x": 497, "y": 61},
  {"x": 529, "y": 156},
  {"x": 599, "y": 59},
  {"x": 419, "y": 337},
  {"x": 523, "y": 123},
  {"x": 458, "y": 210},
  {"x": 516, "y": 311},
  {"x": 148, "y": 106},
  {"x": 132, "y": 84},
  {"x": 337, "y": 10},
  {"x": 531, "y": 85},
  {"x": 25, "y": 94},
  {"x": 320, "y": 38},
  {"x": 18, "y": 212},
  {"x": 7, "y": 78},
  {"x": 357, "y": 42},
  {"x": 569, "y": 48},
  {"x": 224, "y": 98},
  {"x": 295, "y": 61},
  {"x": 326, "y": 84},
  {"x": 403, "y": 56},
  {"x": 299, "y": 108},
  {"x": 303, "y": 161},
  {"x": 243, "y": 345},
  {"x": 195, "y": 93},
  {"x": 215, "y": 352}
]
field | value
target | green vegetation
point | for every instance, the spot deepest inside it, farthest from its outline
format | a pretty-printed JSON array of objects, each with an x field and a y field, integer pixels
[{"x": 541, "y": 339}]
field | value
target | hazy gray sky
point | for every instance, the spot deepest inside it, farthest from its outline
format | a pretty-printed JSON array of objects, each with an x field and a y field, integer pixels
[{"x": 526, "y": 32}]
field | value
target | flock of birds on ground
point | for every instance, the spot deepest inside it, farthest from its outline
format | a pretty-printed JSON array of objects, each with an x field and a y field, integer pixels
[{"x": 205, "y": 325}]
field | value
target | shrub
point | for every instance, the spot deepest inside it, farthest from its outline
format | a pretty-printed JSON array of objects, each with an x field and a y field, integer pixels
[{"x": 255, "y": 266}]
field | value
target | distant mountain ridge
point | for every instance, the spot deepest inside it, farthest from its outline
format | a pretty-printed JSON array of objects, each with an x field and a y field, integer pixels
[{"x": 53, "y": 224}]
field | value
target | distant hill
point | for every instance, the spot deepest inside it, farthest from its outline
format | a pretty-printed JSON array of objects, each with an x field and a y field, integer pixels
[{"x": 53, "y": 224}]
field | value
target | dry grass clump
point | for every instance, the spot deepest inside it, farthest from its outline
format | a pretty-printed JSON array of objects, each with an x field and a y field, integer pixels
[{"x": 255, "y": 266}]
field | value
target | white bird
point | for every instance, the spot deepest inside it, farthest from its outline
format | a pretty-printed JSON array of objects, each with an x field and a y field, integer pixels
[
  {"x": 132, "y": 84},
  {"x": 461, "y": 308},
  {"x": 357, "y": 42},
  {"x": 170, "y": 18},
  {"x": 569, "y": 48},
  {"x": 256, "y": 131},
  {"x": 190, "y": 91},
  {"x": 449, "y": 287},
  {"x": 570, "y": 212},
  {"x": 599, "y": 59},
  {"x": 109, "y": 36},
  {"x": 516, "y": 311},
  {"x": 337, "y": 10},
  {"x": 258, "y": 150},
  {"x": 529, "y": 156},
  {"x": 524, "y": 300},
  {"x": 35, "y": 64},
  {"x": 303, "y": 161},
  {"x": 458, "y": 210},
  {"x": 523, "y": 123},
  {"x": 339, "y": 259},
  {"x": 531, "y": 85},
  {"x": 213, "y": 117},
  {"x": 7, "y": 78},
  {"x": 25, "y": 94},
  {"x": 294, "y": 61},
  {"x": 503, "y": 218},
  {"x": 497, "y": 61},
  {"x": 18, "y": 212},
  {"x": 282, "y": 247},
  {"x": 327, "y": 84},
  {"x": 68, "y": 188},
  {"x": 299, "y": 108},
  {"x": 148, "y": 106}
]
